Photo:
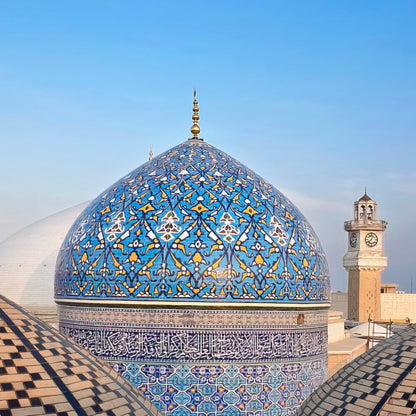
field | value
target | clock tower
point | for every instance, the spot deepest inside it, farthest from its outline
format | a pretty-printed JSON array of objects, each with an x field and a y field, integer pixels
[{"x": 364, "y": 261}]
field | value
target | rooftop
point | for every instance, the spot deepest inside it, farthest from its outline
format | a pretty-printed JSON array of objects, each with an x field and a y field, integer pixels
[
  {"x": 381, "y": 382},
  {"x": 42, "y": 372}
]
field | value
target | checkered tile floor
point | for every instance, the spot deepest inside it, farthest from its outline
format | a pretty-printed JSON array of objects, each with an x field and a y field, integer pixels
[
  {"x": 380, "y": 382},
  {"x": 41, "y": 372}
]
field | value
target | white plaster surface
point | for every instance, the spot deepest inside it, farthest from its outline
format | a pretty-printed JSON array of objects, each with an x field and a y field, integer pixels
[
  {"x": 373, "y": 330},
  {"x": 336, "y": 330},
  {"x": 27, "y": 260}
]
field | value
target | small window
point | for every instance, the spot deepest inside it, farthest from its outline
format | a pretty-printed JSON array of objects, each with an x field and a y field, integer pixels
[{"x": 370, "y": 212}]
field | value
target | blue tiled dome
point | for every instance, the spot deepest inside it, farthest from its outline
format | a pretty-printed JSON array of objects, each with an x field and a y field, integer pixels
[{"x": 193, "y": 224}]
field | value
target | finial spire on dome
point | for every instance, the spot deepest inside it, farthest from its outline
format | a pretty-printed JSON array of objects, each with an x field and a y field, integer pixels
[
  {"x": 195, "y": 130},
  {"x": 151, "y": 153}
]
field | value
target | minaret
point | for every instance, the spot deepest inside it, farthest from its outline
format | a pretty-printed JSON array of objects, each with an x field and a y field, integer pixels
[{"x": 364, "y": 261}]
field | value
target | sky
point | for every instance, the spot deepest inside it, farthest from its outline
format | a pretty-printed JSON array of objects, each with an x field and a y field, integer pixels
[{"x": 318, "y": 97}]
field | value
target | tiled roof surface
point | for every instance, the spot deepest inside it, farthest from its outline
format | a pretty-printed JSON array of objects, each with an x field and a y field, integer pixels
[
  {"x": 365, "y": 198},
  {"x": 381, "y": 382},
  {"x": 41, "y": 372}
]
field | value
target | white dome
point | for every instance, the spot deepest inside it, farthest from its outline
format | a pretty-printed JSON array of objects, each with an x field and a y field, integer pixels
[{"x": 28, "y": 257}]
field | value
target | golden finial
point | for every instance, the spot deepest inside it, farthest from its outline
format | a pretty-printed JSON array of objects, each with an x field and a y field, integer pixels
[
  {"x": 195, "y": 130},
  {"x": 151, "y": 153}
]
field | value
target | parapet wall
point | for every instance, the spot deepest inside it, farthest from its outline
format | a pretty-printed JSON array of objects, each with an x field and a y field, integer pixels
[{"x": 398, "y": 306}]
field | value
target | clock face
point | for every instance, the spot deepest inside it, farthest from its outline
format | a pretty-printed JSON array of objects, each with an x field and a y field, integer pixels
[
  {"x": 371, "y": 239},
  {"x": 353, "y": 240}
]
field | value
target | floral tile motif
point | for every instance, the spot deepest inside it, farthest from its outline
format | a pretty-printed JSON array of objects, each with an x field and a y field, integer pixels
[
  {"x": 229, "y": 396},
  {"x": 193, "y": 224},
  {"x": 215, "y": 371},
  {"x": 194, "y": 227}
]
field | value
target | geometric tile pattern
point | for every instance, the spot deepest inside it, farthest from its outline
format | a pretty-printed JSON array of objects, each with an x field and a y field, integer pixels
[
  {"x": 41, "y": 372},
  {"x": 403, "y": 398},
  {"x": 381, "y": 381},
  {"x": 193, "y": 224},
  {"x": 246, "y": 390},
  {"x": 208, "y": 362}
]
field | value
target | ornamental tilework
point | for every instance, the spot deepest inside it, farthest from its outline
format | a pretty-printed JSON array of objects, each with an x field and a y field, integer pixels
[
  {"x": 188, "y": 339},
  {"x": 201, "y": 284},
  {"x": 193, "y": 224},
  {"x": 226, "y": 390},
  {"x": 208, "y": 363},
  {"x": 190, "y": 318},
  {"x": 197, "y": 346}
]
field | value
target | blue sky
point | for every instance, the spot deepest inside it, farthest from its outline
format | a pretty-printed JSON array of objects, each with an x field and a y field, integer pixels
[{"x": 318, "y": 97}]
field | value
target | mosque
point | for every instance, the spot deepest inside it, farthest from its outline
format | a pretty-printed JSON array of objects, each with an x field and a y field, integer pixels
[
  {"x": 200, "y": 283},
  {"x": 194, "y": 280}
]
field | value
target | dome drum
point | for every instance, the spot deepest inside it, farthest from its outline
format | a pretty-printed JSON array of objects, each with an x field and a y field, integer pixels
[{"x": 208, "y": 362}]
